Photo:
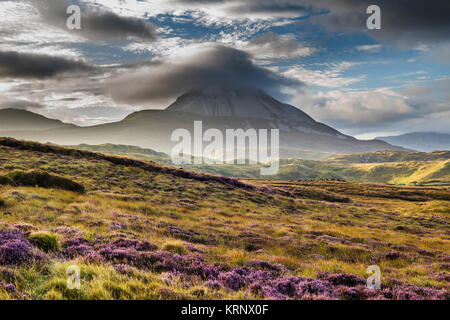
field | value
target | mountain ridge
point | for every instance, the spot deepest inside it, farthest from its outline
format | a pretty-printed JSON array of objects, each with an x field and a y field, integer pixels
[
  {"x": 153, "y": 128},
  {"x": 421, "y": 141},
  {"x": 12, "y": 119}
]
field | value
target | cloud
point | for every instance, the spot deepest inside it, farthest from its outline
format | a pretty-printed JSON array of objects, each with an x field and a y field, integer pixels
[
  {"x": 97, "y": 24},
  {"x": 405, "y": 23},
  {"x": 255, "y": 8},
  {"x": 204, "y": 66},
  {"x": 360, "y": 111},
  {"x": 370, "y": 47},
  {"x": 275, "y": 46},
  {"x": 330, "y": 77},
  {"x": 26, "y": 65},
  {"x": 275, "y": 8},
  {"x": 440, "y": 53}
]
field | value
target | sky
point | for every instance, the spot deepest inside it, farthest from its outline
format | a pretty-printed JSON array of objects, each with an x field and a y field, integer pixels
[{"x": 317, "y": 55}]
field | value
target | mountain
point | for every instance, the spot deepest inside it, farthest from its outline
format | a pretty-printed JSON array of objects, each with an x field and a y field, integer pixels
[
  {"x": 14, "y": 119},
  {"x": 217, "y": 108},
  {"x": 262, "y": 110},
  {"x": 421, "y": 141},
  {"x": 214, "y": 102}
]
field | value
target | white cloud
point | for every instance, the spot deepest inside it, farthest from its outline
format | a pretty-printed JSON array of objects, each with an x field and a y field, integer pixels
[
  {"x": 370, "y": 48},
  {"x": 331, "y": 77},
  {"x": 22, "y": 30}
]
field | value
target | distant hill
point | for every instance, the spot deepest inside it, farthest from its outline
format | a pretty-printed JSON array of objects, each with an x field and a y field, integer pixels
[
  {"x": 22, "y": 120},
  {"x": 393, "y": 167},
  {"x": 390, "y": 156},
  {"x": 421, "y": 141}
]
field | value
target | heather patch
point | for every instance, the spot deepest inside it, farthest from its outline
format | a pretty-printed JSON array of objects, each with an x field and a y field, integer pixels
[
  {"x": 188, "y": 235},
  {"x": 16, "y": 250}
]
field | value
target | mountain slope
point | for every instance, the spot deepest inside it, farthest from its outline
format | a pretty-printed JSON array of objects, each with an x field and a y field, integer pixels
[
  {"x": 20, "y": 120},
  {"x": 422, "y": 141}
]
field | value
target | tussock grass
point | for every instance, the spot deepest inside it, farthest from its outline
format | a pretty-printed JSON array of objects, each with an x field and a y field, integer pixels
[
  {"x": 175, "y": 247},
  {"x": 45, "y": 241},
  {"x": 34, "y": 178}
]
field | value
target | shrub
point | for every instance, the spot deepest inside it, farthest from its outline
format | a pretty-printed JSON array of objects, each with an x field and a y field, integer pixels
[
  {"x": 175, "y": 247},
  {"x": 45, "y": 241},
  {"x": 35, "y": 178},
  {"x": 2, "y": 202}
]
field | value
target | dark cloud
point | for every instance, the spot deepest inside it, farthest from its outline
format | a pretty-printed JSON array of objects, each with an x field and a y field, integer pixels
[
  {"x": 272, "y": 6},
  {"x": 27, "y": 65},
  {"x": 210, "y": 65},
  {"x": 97, "y": 24},
  {"x": 251, "y": 7},
  {"x": 403, "y": 22}
]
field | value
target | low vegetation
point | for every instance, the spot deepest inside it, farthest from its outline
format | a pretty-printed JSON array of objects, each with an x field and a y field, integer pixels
[{"x": 145, "y": 231}]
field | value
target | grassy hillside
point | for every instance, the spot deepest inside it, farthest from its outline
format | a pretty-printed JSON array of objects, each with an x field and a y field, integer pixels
[
  {"x": 389, "y": 156},
  {"x": 126, "y": 150},
  {"x": 404, "y": 173},
  {"x": 139, "y": 230},
  {"x": 393, "y": 167}
]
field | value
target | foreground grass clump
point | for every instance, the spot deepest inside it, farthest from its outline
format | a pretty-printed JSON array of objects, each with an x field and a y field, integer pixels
[
  {"x": 34, "y": 178},
  {"x": 45, "y": 241}
]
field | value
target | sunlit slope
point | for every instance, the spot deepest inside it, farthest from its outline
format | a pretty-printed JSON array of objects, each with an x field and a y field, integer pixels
[{"x": 393, "y": 167}]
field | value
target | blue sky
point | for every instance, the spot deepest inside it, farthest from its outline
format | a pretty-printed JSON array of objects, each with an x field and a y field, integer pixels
[{"x": 316, "y": 55}]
